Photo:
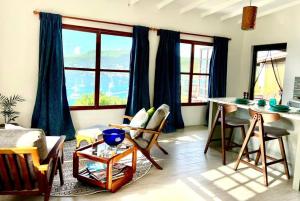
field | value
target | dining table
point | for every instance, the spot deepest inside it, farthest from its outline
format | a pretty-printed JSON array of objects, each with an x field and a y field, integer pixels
[{"x": 290, "y": 120}]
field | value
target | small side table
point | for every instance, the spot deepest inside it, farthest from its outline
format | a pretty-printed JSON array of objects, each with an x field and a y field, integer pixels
[{"x": 110, "y": 183}]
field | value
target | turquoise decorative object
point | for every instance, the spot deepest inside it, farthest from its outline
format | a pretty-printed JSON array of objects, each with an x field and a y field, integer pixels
[
  {"x": 272, "y": 102},
  {"x": 261, "y": 102},
  {"x": 242, "y": 101},
  {"x": 280, "y": 108}
]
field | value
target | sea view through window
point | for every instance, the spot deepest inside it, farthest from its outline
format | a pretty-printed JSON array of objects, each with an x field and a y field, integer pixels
[{"x": 96, "y": 67}]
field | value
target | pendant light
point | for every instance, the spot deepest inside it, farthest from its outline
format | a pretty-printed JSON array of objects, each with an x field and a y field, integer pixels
[{"x": 249, "y": 17}]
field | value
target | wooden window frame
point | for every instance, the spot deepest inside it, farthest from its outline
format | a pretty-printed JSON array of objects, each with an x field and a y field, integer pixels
[
  {"x": 97, "y": 70},
  {"x": 191, "y": 73}
]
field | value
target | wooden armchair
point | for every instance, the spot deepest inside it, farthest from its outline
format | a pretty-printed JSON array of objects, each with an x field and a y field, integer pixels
[
  {"x": 22, "y": 172},
  {"x": 145, "y": 139}
]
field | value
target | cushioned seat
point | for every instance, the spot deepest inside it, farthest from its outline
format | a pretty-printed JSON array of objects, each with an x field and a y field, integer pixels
[
  {"x": 10, "y": 138},
  {"x": 145, "y": 138},
  {"x": 273, "y": 132},
  {"x": 235, "y": 121},
  {"x": 29, "y": 161},
  {"x": 225, "y": 117},
  {"x": 264, "y": 134}
]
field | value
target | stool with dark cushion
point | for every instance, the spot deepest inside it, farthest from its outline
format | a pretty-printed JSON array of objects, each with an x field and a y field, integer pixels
[
  {"x": 264, "y": 134},
  {"x": 227, "y": 120}
]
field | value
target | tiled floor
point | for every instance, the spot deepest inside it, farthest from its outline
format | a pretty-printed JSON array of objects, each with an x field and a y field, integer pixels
[{"x": 190, "y": 175}]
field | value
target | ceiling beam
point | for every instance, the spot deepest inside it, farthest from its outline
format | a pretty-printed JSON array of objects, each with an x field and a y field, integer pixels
[
  {"x": 276, "y": 9},
  {"x": 164, "y": 3},
  {"x": 219, "y": 7},
  {"x": 191, "y": 6},
  {"x": 240, "y": 12},
  {"x": 132, "y": 2}
]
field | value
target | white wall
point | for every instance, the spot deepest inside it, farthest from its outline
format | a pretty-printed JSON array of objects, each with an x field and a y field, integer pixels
[
  {"x": 279, "y": 27},
  {"x": 19, "y": 47}
]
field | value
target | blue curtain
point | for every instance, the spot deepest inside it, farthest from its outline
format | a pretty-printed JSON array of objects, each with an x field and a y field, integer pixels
[
  {"x": 138, "y": 95},
  {"x": 218, "y": 68},
  {"x": 167, "y": 78},
  {"x": 51, "y": 111}
]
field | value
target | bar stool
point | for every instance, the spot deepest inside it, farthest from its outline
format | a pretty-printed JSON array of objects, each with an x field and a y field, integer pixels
[
  {"x": 222, "y": 117},
  {"x": 264, "y": 134}
]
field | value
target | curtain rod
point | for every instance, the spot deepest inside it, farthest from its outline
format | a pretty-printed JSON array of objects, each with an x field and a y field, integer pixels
[{"x": 122, "y": 24}]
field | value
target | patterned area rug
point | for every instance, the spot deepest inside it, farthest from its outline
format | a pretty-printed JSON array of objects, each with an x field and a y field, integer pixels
[{"x": 72, "y": 187}]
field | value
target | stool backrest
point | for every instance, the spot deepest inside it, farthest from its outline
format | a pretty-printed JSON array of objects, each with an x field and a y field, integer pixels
[
  {"x": 229, "y": 108},
  {"x": 267, "y": 117}
]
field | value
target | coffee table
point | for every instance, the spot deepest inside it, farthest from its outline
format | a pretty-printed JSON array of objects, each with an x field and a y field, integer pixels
[{"x": 111, "y": 175}]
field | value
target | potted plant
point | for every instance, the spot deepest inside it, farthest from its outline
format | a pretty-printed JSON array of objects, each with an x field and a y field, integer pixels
[{"x": 7, "y": 105}]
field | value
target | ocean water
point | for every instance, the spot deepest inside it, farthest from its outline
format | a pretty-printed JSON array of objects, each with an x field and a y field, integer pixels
[{"x": 80, "y": 83}]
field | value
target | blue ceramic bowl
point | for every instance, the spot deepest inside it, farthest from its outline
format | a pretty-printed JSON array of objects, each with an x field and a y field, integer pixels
[{"x": 113, "y": 136}]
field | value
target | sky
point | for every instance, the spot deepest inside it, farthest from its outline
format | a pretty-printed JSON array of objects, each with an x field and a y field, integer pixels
[{"x": 77, "y": 42}]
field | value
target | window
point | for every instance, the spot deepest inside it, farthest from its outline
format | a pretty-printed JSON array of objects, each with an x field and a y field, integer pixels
[
  {"x": 268, "y": 67},
  {"x": 96, "y": 67},
  {"x": 194, "y": 61}
]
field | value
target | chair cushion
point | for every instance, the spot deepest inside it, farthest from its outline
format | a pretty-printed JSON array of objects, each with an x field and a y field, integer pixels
[
  {"x": 273, "y": 132},
  {"x": 10, "y": 138},
  {"x": 156, "y": 120},
  {"x": 157, "y": 117},
  {"x": 235, "y": 121},
  {"x": 140, "y": 119}
]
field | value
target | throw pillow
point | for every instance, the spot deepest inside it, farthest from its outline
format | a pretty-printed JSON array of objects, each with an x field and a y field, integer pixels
[
  {"x": 140, "y": 119},
  {"x": 151, "y": 112},
  {"x": 156, "y": 120}
]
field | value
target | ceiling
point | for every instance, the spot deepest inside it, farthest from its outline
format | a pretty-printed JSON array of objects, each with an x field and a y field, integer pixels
[{"x": 224, "y": 9}]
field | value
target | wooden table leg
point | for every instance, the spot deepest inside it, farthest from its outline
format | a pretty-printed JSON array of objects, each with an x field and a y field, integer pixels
[
  {"x": 75, "y": 165},
  {"x": 61, "y": 174},
  {"x": 109, "y": 175},
  {"x": 134, "y": 159},
  {"x": 212, "y": 130},
  {"x": 223, "y": 133}
]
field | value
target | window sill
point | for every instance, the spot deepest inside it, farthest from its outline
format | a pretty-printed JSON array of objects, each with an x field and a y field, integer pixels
[{"x": 74, "y": 108}]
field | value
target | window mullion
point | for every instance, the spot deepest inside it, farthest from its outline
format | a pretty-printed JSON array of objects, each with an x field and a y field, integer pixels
[
  {"x": 191, "y": 74},
  {"x": 97, "y": 76},
  {"x": 207, "y": 71},
  {"x": 207, "y": 62}
]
